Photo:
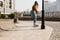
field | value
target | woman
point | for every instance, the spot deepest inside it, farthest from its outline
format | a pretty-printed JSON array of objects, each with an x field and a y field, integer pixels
[{"x": 34, "y": 13}]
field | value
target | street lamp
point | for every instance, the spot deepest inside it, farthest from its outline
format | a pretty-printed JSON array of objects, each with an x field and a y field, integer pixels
[
  {"x": 4, "y": 6},
  {"x": 42, "y": 22}
]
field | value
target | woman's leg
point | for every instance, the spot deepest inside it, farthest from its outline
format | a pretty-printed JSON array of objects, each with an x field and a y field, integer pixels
[
  {"x": 34, "y": 16},
  {"x": 35, "y": 19}
]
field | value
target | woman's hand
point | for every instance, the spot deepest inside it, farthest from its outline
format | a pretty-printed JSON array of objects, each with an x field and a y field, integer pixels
[{"x": 37, "y": 12}]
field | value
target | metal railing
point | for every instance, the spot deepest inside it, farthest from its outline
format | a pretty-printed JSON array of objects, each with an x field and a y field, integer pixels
[{"x": 52, "y": 14}]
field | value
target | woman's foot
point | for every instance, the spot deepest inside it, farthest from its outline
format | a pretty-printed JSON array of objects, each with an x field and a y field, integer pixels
[{"x": 35, "y": 25}]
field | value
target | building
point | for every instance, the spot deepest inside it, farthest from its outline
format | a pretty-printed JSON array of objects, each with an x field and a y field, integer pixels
[
  {"x": 52, "y": 9},
  {"x": 7, "y": 6}
]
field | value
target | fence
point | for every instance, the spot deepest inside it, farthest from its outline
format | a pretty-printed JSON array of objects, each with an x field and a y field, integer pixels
[{"x": 52, "y": 14}]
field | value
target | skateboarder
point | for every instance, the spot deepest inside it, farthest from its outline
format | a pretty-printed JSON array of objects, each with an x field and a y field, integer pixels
[{"x": 34, "y": 13}]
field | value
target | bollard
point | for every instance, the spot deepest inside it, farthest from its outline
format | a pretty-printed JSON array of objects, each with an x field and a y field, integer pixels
[{"x": 15, "y": 20}]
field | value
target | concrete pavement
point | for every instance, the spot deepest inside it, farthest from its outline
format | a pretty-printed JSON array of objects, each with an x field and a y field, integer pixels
[{"x": 25, "y": 31}]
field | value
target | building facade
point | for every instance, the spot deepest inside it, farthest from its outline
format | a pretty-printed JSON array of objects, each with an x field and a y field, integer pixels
[
  {"x": 52, "y": 9},
  {"x": 7, "y": 6}
]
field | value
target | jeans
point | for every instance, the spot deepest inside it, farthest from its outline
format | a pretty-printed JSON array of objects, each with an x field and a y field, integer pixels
[{"x": 34, "y": 16}]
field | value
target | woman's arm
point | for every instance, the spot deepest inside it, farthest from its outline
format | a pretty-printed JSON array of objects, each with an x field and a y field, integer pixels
[{"x": 36, "y": 9}]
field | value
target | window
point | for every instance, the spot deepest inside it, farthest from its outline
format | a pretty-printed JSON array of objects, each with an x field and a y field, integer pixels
[
  {"x": 1, "y": 4},
  {"x": 10, "y": 3},
  {"x": 10, "y": 6}
]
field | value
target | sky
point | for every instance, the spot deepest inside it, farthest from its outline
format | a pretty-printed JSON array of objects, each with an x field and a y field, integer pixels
[{"x": 26, "y": 5}]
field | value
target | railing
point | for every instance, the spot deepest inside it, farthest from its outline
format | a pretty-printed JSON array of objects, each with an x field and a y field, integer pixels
[
  {"x": 48, "y": 16},
  {"x": 52, "y": 14}
]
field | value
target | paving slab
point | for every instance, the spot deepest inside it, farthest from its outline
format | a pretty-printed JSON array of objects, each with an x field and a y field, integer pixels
[{"x": 25, "y": 31}]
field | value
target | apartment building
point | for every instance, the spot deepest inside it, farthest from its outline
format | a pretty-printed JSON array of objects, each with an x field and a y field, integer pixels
[
  {"x": 7, "y": 6},
  {"x": 52, "y": 9}
]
